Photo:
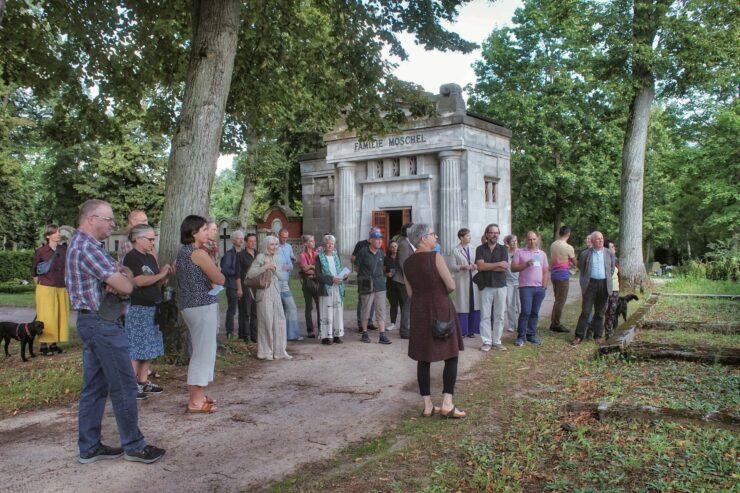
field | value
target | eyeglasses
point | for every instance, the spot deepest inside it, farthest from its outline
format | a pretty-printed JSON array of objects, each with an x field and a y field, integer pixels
[
  {"x": 147, "y": 238},
  {"x": 431, "y": 234},
  {"x": 106, "y": 219}
]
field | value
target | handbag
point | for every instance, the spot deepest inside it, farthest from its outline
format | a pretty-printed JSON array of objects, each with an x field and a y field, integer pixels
[
  {"x": 364, "y": 284},
  {"x": 442, "y": 329},
  {"x": 262, "y": 281},
  {"x": 43, "y": 268}
]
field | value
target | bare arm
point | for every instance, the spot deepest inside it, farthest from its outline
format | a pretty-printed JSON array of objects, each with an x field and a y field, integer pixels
[
  {"x": 545, "y": 276},
  {"x": 144, "y": 280},
  {"x": 495, "y": 266},
  {"x": 202, "y": 260},
  {"x": 121, "y": 282},
  {"x": 444, "y": 273}
]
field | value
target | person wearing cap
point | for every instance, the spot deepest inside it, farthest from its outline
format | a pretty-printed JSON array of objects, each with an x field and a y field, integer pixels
[{"x": 371, "y": 273}]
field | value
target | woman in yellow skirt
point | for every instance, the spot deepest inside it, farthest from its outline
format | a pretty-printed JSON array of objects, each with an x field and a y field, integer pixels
[{"x": 52, "y": 300}]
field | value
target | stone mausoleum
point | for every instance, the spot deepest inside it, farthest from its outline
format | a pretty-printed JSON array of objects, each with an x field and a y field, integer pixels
[{"x": 451, "y": 171}]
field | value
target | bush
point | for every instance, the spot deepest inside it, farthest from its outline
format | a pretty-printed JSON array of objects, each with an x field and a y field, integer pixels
[
  {"x": 15, "y": 264},
  {"x": 13, "y": 287}
]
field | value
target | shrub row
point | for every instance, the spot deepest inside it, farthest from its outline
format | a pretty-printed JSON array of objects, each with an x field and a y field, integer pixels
[
  {"x": 724, "y": 269},
  {"x": 13, "y": 287},
  {"x": 15, "y": 264}
]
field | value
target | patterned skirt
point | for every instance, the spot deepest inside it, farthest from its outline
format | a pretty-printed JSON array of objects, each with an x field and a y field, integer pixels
[{"x": 144, "y": 337}]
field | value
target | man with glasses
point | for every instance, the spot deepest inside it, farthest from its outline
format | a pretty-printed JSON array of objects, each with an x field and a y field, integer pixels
[
  {"x": 492, "y": 260},
  {"x": 597, "y": 266},
  {"x": 370, "y": 264},
  {"x": 106, "y": 361},
  {"x": 135, "y": 217}
]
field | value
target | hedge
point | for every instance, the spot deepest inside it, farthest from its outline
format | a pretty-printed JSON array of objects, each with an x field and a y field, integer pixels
[
  {"x": 14, "y": 287},
  {"x": 15, "y": 264}
]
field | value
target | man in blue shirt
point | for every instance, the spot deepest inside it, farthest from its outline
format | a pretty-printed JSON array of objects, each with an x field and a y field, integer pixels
[
  {"x": 597, "y": 266},
  {"x": 286, "y": 260}
]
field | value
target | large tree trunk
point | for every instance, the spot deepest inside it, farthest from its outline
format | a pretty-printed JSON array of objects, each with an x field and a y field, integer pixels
[
  {"x": 195, "y": 146},
  {"x": 633, "y": 170}
]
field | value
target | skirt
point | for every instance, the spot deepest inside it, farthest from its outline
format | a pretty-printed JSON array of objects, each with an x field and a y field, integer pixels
[
  {"x": 144, "y": 337},
  {"x": 52, "y": 308}
]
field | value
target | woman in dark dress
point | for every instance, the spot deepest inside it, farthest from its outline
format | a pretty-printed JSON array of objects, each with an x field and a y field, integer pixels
[
  {"x": 392, "y": 289},
  {"x": 430, "y": 282}
]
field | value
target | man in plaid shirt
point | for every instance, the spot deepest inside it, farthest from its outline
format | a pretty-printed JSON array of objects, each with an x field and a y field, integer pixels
[{"x": 90, "y": 272}]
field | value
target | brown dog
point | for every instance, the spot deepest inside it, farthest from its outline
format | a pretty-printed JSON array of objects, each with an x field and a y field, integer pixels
[{"x": 23, "y": 332}]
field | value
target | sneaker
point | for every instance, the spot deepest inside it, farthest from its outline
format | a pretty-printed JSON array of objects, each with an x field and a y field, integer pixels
[
  {"x": 147, "y": 455},
  {"x": 485, "y": 348},
  {"x": 535, "y": 341},
  {"x": 337, "y": 340},
  {"x": 311, "y": 335},
  {"x": 383, "y": 339},
  {"x": 326, "y": 341},
  {"x": 511, "y": 329},
  {"x": 391, "y": 327},
  {"x": 140, "y": 395},
  {"x": 365, "y": 337},
  {"x": 498, "y": 347},
  {"x": 101, "y": 453},
  {"x": 152, "y": 388},
  {"x": 559, "y": 328},
  {"x": 519, "y": 342}
]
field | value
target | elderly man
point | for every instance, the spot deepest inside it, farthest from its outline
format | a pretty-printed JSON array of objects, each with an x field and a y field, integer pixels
[
  {"x": 90, "y": 273},
  {"x": 597, "y": 267},
  {"x": 247, "y": 301},
  {"x": 359, "y": 246},
  {"x": 371, "y": 277},
  {"x": 492, "y": 260},
  {"x": 562, "y": 257},
  {"x": 135, "y": 217},
  {"x": 405, "y": 250},
  {"x": 287, "y": 260},
  {"x": 229, "y": 268}
]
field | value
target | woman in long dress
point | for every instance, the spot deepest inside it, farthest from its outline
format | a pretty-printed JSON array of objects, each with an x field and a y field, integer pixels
[
  {"x": 331, "y": 293},
  {"x": 271, "y": 335},
  {"x": 52, "y": 300},
  {"x": 467, "y": 295},
  {"x": 428, "y": 283}
]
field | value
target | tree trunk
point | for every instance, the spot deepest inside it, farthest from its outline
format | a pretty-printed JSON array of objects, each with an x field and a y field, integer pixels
[
  {"x": 2, "y": 11},
  {"x": 195, "y": 146},
  {"x": 633, "y": 171}
]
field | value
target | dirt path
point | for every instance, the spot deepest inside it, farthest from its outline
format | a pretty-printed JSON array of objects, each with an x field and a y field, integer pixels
[{"x": 281, "y": 415}]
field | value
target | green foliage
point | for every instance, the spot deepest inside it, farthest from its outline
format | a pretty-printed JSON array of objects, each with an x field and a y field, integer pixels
[
  {"x": 15, "y": 264},
  {"x": 15, "y": 287},
  {"x": 225, "y": 195}
]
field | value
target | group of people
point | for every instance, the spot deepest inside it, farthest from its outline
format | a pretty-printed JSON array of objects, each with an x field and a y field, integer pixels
[{"x": 491, "y": 284}]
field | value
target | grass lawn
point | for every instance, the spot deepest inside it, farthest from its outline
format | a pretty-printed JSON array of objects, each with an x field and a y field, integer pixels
[
  {"x": 18, "y": 299},
  {"x": 702, "y": 310},
  {"x": 691, "y": 285},
  {"x": 690, "y": 338}
]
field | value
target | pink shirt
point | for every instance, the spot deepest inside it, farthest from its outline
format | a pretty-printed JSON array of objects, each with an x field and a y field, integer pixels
[{"x": 532, "y": 275}]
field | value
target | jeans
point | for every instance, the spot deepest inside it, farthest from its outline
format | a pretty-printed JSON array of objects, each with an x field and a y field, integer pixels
[
  {"x": 106, "y": 367},
  {"x": 248, "y": 316},
  {"x": 492, "y": 299},
  {"x": 595, "y": 296},
  {"x": 233, "y": 301},
  {"x": 531, "y": 298},
  {"x": 310, "y": 298},
  {"x": 513, "y": 306},
  {"x": 291, "y": 315}
]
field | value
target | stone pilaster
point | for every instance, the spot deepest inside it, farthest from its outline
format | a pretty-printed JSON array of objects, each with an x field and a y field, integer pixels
[
  {"x": 450, "y": 195},
  {"x": 346, "y": 212}
]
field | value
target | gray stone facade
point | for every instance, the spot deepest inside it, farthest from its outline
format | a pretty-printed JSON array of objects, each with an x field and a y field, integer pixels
[{"x": 451, "y": 171}]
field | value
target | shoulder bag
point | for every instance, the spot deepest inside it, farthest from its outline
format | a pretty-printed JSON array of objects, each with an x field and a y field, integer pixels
[
  {"x": 262, "y": 281},
  {"x": 43, "y": 268},
  {"x": 365, "y": 282},
  {"x": 442, "y": 329}
]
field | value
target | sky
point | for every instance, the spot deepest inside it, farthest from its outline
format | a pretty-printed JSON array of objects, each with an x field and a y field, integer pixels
[{"x": 431, "y": 69}]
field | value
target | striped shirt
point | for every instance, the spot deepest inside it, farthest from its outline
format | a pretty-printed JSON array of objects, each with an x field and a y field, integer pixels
[{"x": 88, "y": 266}]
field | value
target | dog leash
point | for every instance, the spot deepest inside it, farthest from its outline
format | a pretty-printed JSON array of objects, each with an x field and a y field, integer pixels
[{"x": 17, "y": 332}]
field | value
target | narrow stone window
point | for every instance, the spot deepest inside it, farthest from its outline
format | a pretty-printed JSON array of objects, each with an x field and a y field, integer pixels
[
  {"x": 412, "y": 165},
  {"x": 490, "y": 191},
  {"x": 379, "y": 169},
  {"x": 396, "y": 167}
]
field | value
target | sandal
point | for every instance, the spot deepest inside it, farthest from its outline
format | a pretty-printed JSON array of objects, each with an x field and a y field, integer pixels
[
  {"x": 453, "y": 413},
  {"x": 435, "y": 410},
  {"x": 210, "y": 400},
  {"x": 205, "y": 408}
]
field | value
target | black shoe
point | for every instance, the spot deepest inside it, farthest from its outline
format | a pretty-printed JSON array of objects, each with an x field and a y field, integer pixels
[
  {"x": 101, "y": 453},
  {"x": 372, "y": 327},
  {"x": 150, "y": 388},
  {"x": 383, "y": 339},
  {"x": 53, "y": 348},
  {"x": 311, "y": 335},
  {"x": 337, "y": 340},
  {"x": 404, "y": 335},
  {"x": 44, "y": 350},
  {"x": 559, "y": 328},
  {"x": 326, "y": 341},
  {"x": 147, "y": 455}
]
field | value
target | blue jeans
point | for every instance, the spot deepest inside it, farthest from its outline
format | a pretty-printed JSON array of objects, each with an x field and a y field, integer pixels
[
  {"x": 107, "y": 370},
  {"x": 531, "y": 298}
]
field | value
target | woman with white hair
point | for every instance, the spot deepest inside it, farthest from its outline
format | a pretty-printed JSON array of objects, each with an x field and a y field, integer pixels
[
  {"x": 271, "y": 335},
  {"x": 331, "y": 293}
]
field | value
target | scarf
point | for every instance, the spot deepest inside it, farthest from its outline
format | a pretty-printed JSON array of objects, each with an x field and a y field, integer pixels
[{"x": 325, "y": 268}]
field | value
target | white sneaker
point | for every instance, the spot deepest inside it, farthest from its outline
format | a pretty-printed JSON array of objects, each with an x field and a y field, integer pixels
[
  {"x": 499, "y": 347},
  {"x": 485, "y": 348},
  {"x": 510, "y": 329},
  {"x": 391, "y": 327}
]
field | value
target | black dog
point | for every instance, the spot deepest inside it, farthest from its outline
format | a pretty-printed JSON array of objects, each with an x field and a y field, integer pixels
[
  {"x": 24, "y": 332},
  {"x": 614, "y": 310}
]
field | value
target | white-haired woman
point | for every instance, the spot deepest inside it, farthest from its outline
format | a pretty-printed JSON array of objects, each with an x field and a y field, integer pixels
[
  {"x": 331, "y": 293},
  {"x": 144, "y": 337},
  {"x": 271, "y": 335}
]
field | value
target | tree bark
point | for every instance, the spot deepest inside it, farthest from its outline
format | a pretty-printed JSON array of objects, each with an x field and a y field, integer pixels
[
  {"x": 2, "y": 11},
  {"x": 196, "y": 143}
]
